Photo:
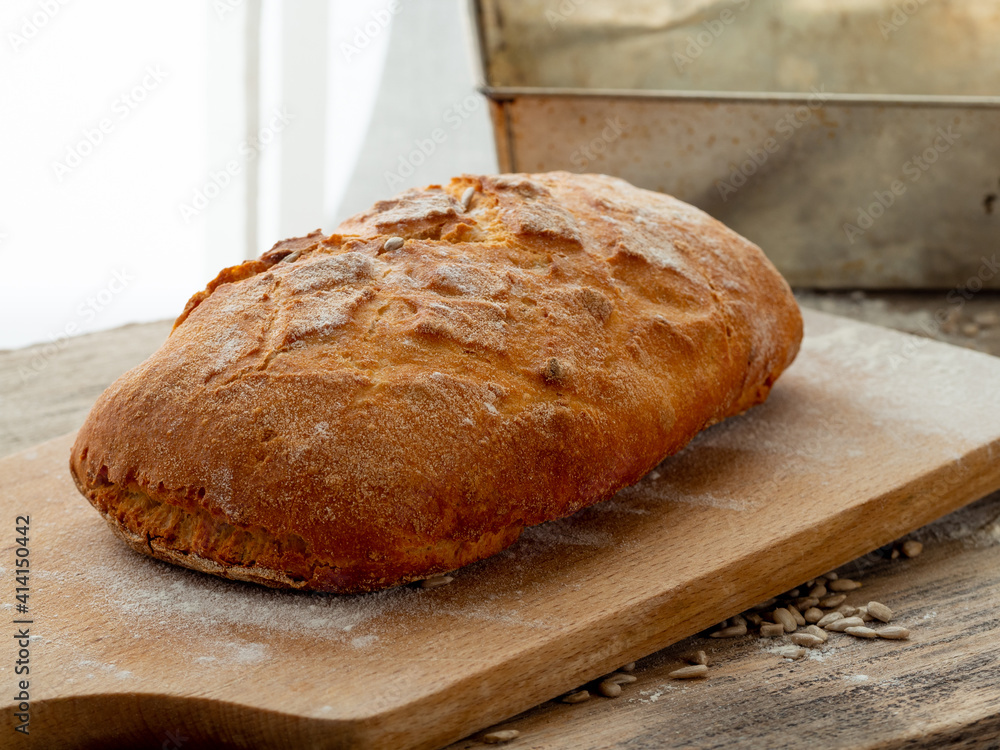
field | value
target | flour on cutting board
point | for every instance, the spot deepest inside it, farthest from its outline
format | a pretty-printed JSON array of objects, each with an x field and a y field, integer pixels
[{"x": 231, "y": 623}]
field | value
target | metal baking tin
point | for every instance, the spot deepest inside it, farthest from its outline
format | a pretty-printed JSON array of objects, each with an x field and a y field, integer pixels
[{"x": 841, "y": 190}]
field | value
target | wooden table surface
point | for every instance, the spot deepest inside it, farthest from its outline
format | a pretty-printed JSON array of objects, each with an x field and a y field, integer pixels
[{"x": 942, "y": 687}]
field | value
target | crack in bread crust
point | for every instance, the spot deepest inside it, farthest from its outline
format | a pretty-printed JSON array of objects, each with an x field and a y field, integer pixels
[{"x": 348, "y": 413}]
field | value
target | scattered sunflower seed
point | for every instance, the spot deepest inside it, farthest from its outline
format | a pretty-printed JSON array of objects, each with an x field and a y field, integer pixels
[
  {"x": 818, "y": 591},
  {"x": 859, "y": 631},
  {"x": 291, "y": 257},
  {"x": 831, "y": 576},
  {"x": 630, "y": 667},
  {"x": 912, "y": 548},
  {"x": 894, "y": 633},
  {"x": 620, "y": 678},
  {"x": 841, "y": 625},
  {"x": 687, "y": 673},
  {"x": 577, "y": 697},
  {"x": 467, "y": 197},
  {"x": 393, "y": 243},
  {"x": 894, "y": 555},
  {"x": 766, "y": 604},
  {"x": 783, "y": 616},
  {"x": 769, "y": 629},
  {"x": 844, "y": 584},
  {"x": 434, "y": 581},
  {"x": 817, "y": 631},
  {"x": 698, "y": 657},
  {"x": 733, "y": 631},
  {"x": 813, "y": 615},
  {"x": 796, "y": 615},
  {"x": 832, "y": 601},
  {"x": 754, "y": 618},
  {"x": 504, "y": 735},
  {"x": 829, "y": 618},
  {"x": 864, "y": 614},
  {"x": 806, "y": 639},
  {"x": 791, "y": 652},
  {"x": 879, "y": 611},
  {"x": 806, "y": 602},
  {"x": 847, "y": 610},
  {"x": 611, "y": 686},
  {"x": 609, "y": 689}
]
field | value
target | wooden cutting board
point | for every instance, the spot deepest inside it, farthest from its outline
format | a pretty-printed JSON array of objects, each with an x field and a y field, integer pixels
[{"x": 869, "y": 435}]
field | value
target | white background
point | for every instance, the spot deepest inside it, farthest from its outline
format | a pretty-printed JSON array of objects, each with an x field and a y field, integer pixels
[{"x": 109, "y": 241}]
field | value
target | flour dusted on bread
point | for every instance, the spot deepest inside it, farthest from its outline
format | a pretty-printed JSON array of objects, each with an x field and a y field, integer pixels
[{"x": 348, "y": 413}]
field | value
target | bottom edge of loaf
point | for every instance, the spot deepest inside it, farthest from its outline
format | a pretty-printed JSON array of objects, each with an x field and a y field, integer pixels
[{"x": 315, "y": 574}]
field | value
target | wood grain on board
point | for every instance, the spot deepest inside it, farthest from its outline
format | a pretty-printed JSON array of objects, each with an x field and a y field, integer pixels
[{"x": 867, "y": 437}]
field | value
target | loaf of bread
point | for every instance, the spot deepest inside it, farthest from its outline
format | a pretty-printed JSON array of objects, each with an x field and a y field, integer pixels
[{"x": 403, "y": 397}]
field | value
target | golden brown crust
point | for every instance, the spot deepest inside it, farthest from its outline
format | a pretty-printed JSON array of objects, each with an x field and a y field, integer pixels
[{"x": 339, "y": 417}]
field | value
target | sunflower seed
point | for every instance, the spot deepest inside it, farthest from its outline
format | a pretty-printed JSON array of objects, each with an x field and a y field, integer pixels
[
  {"x": 831, "y": 576},
  {"x": 790, "y": 652},
  {"x": 806, "y": 602},
  {"x": 829, "y": 618},
  {"x": 846, "y": 610},
  {"x": 818, "y": 591},
  {"x": 864, "y": 614},
  {"x": 806, "y": 639},
  {"x": 733, "y": 631},
  {"x": 844, "y": 584},
  {"x": 769, "y": 629},
  {"x": 393, "y": 243},
  {"x": 630, "y": 667},
  {"x": 894, "y": 555},
  {"x": 861, "y": 632},
  {"x": 894, "y": 633},
  {"x": 291, "y": 257},
  {"x": 434, "y": 581},
  {"x": 504, "y": 735},
  {"x": 813, "y": 614},
  {"x": 912, "y": 548},
  {"x": 791, "y": 593},
  {"x": 467, "y": 197},
  {"x": 620, "y": 678},
  {"x": 841, "y": 625},
  {"x": 698, "y": 657},
  {"x": 687, "y": 673},
  {"x": 783, "y": 616},
  {"x": 796, "y": 615},
  {"x": 754, "y": 618},
  {"x": 766, "y": 604},
  {"x": 832, "y": 601},
  {"x": 609, "y": 689},
  {"x": 816, "y": 631},
  {"x": 879, "y": 611},
  {"x": 578, "y": 697}
]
